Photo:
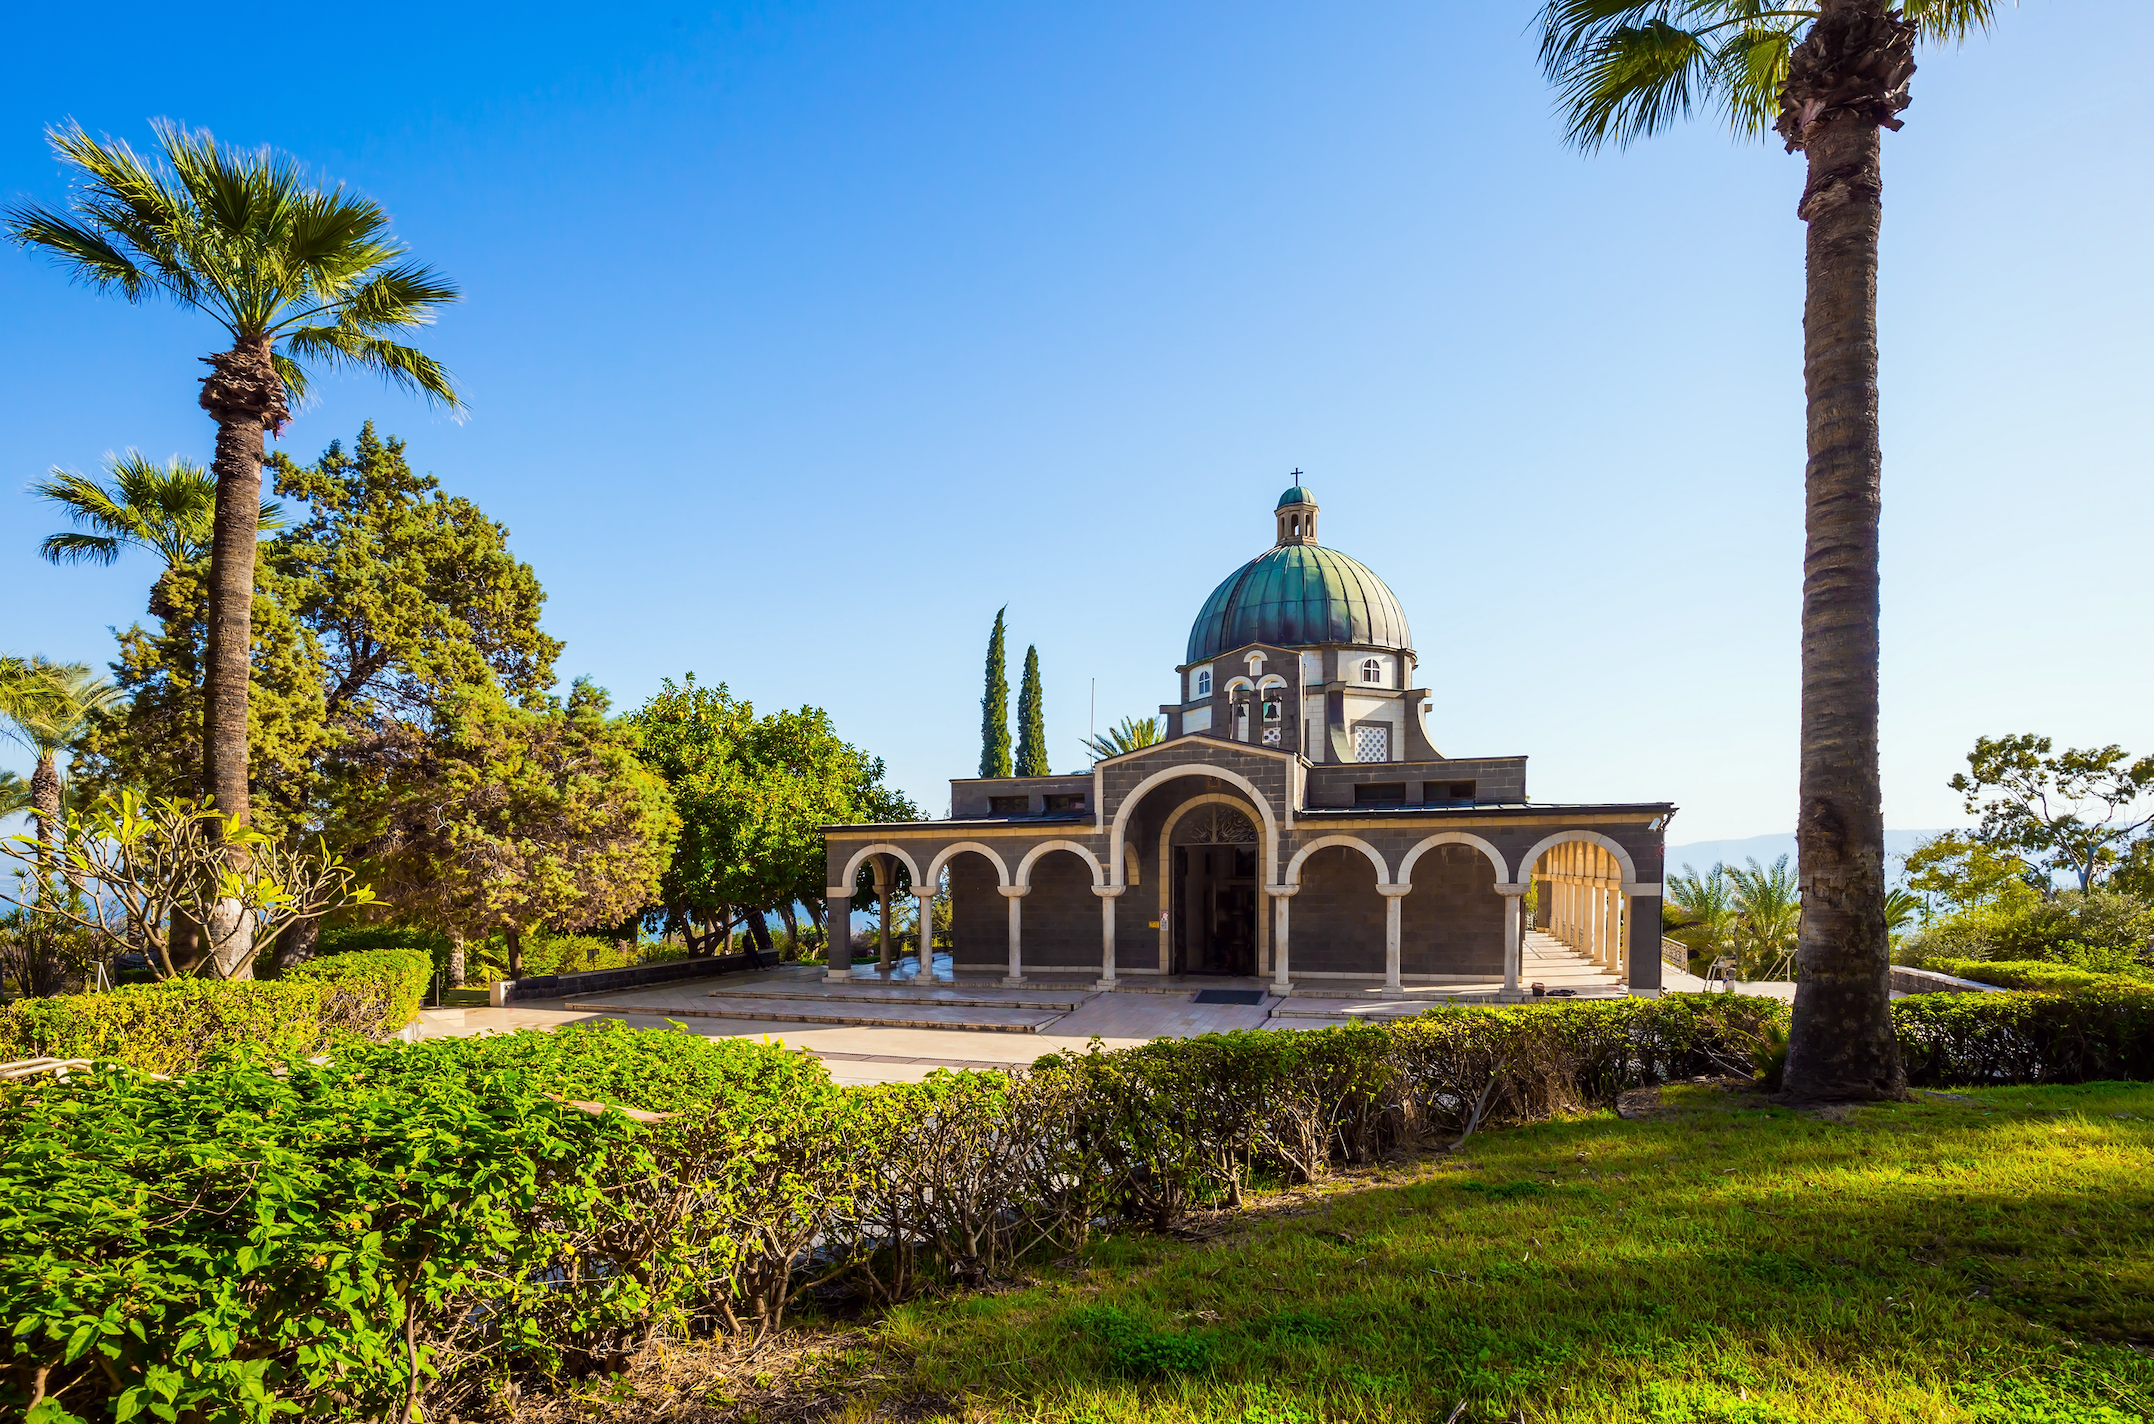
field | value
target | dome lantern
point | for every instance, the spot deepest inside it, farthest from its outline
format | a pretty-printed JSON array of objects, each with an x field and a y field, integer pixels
[{"x": 1296, "y": 512}]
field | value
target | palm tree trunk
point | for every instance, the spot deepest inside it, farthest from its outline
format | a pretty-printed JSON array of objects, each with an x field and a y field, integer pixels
[
  {"x": 244, "y": 395},
  {"x": 45, "y": 804},
  {"x": 1846, "y": 80}
]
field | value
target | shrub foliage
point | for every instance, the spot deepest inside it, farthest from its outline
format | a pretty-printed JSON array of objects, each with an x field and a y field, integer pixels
[
  {"x": 177, "y": 1023},
  {"x": 409, "y": 1228}
]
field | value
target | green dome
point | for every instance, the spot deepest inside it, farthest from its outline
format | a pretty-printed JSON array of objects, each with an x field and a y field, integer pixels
[
  {"x": 1299, "y": 494},
  {"x": 1297, "y": 596}
]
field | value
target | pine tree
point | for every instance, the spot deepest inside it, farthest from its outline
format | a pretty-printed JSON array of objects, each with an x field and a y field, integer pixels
[
  {"x": 1031, "y": 720},
  {"x": 995, "y": 706}
]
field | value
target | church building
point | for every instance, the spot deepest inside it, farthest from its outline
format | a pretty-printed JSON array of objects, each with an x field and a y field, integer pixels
[{"x": 1296, "y": 825}]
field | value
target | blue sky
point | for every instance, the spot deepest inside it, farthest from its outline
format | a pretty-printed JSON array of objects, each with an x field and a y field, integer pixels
[{"x": 800, "y": 338}]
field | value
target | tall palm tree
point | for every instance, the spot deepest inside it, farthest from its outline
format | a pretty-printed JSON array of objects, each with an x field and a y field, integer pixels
[
  {"x": 1828, "y": 76},
  {"x": 168, "y": 510},
  {"x": 294, "y": 273},
  {"x": 47, "y": 706},
  {"x": 1768, "y": 913}
]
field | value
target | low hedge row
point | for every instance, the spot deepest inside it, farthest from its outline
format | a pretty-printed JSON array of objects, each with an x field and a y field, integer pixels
[
  {"x": 412, "y": 1227},
  {"x": 2031, "y": 974},
  {"x": 173, "y": 1025}
]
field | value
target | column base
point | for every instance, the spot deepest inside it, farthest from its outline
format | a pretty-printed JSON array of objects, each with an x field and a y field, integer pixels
[
  {"x": 1644, "y": 993},
  {"x": 833, "y": 977},
  {"x": 1106, "y": 983},
  {"x": 1282, "y": 990},
  {"x": 1014, "y": 981},
  {"x": 1514, "y": 996},
  {"x": 1389, "y": 992}
]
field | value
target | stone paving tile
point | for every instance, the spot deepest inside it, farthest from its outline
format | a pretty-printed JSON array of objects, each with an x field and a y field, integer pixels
[{"x": 1013, "y": 1018}]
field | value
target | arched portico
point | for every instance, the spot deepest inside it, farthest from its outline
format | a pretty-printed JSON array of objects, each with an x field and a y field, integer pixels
[
  {"x": 944, "y": 856},
  {"x": 1464, "y": 838},
  {"x": 1588, "y": 879},
  {"x": 1032, "y": 858},
  {"x": 852, "y": 867},
  {"x": 1376, "y": 857}
]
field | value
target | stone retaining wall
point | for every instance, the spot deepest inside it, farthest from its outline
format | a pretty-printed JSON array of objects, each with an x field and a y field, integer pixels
[{"x": 600, "y": 981}]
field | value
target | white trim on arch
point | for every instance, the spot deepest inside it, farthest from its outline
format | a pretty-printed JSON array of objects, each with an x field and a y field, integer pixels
[
  {"x": 1622, "y": 856},
  {"x": 1226, "y": 774},
  {"x": 949, "y": 852},
  {"x": 1376, "y": 857},
  {"x": 852, "y": 867},
  {"x": 1495, "y": 857},
  {"x": 1032, "y": 856}
]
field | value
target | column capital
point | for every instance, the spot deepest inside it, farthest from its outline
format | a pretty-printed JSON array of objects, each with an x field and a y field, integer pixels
[
  {"x": 1642, "y": 887},
  {"x": 1109, "y": 892},
  {"x": 1519, "y": 888},
  {"x": 837, "y": 892},
  {"x": 1015, "y": 892},
  {"x": 1392, "y": 892},
  {"x": 1282, "y": 892}
]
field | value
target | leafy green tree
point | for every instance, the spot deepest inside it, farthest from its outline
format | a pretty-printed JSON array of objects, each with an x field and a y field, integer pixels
[
  {"x": 995, "y": 706},
  {"x": 168, "y": 510},
  {"x": 1954, "y": 872},
  {"x": 1031, "y": 720},
  {"x": 753, "y": 794},
  {"x": 293, "y": 273},
  {"x": 1828, "y": 77},
  {"x": 506, "y": 818},
  {"x": 1128, "y": 735},
  {"x": 2075, "y": 810}
]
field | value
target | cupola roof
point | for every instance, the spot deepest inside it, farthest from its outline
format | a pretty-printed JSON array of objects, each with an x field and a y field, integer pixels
[{"x": 1297, "y": 595}]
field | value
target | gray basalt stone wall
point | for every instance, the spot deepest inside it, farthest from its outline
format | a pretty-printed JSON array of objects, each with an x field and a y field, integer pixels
[
  {"x": 1336, "y": 923},
  {"x": 1062, "y": 915},
  {"x": 1452, "y": 923},
  {"x": 979, "y": 925}
]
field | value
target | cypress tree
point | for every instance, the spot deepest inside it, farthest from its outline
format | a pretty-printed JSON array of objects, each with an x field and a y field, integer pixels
[
  {"x": 995, "y": 706},
  {"x": 1031, "y": 720}
]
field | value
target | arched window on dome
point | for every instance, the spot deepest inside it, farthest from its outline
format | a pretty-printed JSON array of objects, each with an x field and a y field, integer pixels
[
  {"x": 1204, "y": 683},
  {"x": 1372, "y": 671}
]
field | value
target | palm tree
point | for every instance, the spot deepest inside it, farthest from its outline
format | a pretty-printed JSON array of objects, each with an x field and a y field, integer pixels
[
  {"x": 1132, "y": 733},
  {"x": 1707, "y": 902},
  {"x": 293, "y": 273},
  {"x": 1828, "y": 76},
  {"x": 14, "y": 794},
  {"x": 1768, "y": 915},
  {"x": 47, "y": 706},
  {"x": 169, "y": 510}
]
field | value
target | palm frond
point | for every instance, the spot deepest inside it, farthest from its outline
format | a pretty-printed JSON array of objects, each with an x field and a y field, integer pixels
[
  {"x": 14, "y": 794},
  {"x": 404, "y": 366},
  {"x": 49, "y": 705},
  {"x": 1951, "y": 21},
  {"x": 1626, "y": 69},
  {"x": 79, "y": 548},
  {"x": 169, "y": 509}
]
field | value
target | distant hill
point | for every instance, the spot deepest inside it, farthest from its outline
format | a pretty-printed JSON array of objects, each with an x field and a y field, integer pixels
[{"x": 1767, "y": 849}]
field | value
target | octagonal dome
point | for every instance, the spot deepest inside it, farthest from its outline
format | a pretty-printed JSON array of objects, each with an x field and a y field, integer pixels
[{"x": 1298, "y": 596}]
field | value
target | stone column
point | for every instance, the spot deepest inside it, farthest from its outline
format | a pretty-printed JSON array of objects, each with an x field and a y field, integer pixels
[
  {"x": 1612, "y": 935},
  {"x": 1393, "y": 894},
  {"x": 926, "y": 896},
  {"x": 838, "y": 931},
  {"x": 1644, "y": 978},
  {"x": 1514, "y": 899},
  {"x": 1015, "y": 894},
  {"x": 1280, "y": 894},
  {"x": 885, "y": 882},
  {"x": 1108, "y": 894}
]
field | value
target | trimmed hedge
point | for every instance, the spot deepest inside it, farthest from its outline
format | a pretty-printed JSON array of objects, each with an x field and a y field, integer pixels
[
  {"x": 2102, "y": 1032},
  {"x": 176, "y": 1024},
  {"x": 423, "y": 1225},
  {"x": 2029, "y": 974}
]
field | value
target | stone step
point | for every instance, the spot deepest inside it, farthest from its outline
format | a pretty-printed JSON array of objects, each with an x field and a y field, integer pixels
[{"x": 858, "y": 1015}]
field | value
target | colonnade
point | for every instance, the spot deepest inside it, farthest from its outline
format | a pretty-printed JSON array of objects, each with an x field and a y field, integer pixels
[
  {"x": 840, "y": 967},
  {"x": 1513, "y": 935},
  {"x": 1587, "y": 909}
]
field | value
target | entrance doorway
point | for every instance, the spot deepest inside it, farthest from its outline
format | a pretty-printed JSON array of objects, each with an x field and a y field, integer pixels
[{"x": 1215, "y": 893}]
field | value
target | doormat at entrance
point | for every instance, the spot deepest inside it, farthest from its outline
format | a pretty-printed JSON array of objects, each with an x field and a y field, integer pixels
[{"x": 1229, "y": 996}]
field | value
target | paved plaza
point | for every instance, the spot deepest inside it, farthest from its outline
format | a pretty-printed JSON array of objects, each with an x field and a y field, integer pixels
[{"x": 877, "y": 1029}]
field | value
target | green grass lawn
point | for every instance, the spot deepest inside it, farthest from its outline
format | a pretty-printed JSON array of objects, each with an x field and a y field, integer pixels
[{"x": 1988, "y": 1256}]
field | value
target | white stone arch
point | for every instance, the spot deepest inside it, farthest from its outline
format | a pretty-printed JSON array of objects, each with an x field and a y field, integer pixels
[
  {"x": 944, "y": 856},
  {"x": 1032, "y": 857},
  {"x": 1622, "y": 856},
  {"x": 852, "y": 867},
  {"x": 1238, "y": 683},
  {"x": 1376, "y": 857},
  {"x": 1232, "y": 778},
  {"x": 1495, "y": 857}
]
